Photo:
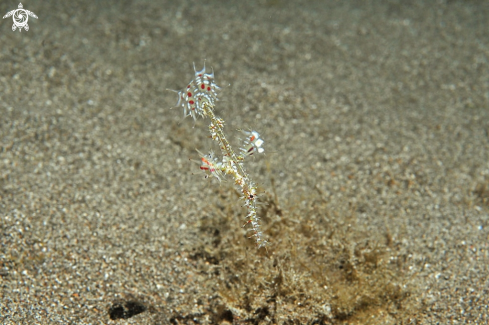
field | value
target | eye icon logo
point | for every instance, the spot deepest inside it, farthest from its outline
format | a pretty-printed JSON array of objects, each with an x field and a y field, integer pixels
[{"x": 20, "y": 16}]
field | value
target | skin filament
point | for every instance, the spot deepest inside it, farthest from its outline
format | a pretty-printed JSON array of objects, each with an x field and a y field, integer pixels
[{"x": 198, "y": 99}]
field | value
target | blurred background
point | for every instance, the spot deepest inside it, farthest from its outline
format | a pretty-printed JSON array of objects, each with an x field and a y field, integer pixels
[{"x": 374, "y": 183}]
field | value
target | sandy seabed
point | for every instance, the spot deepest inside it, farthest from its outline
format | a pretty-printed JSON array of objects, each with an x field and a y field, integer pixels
[{"x": 374, "y": 185}]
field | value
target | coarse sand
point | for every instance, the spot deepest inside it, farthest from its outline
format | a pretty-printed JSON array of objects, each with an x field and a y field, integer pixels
[{"x": 374, "y": 186}]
